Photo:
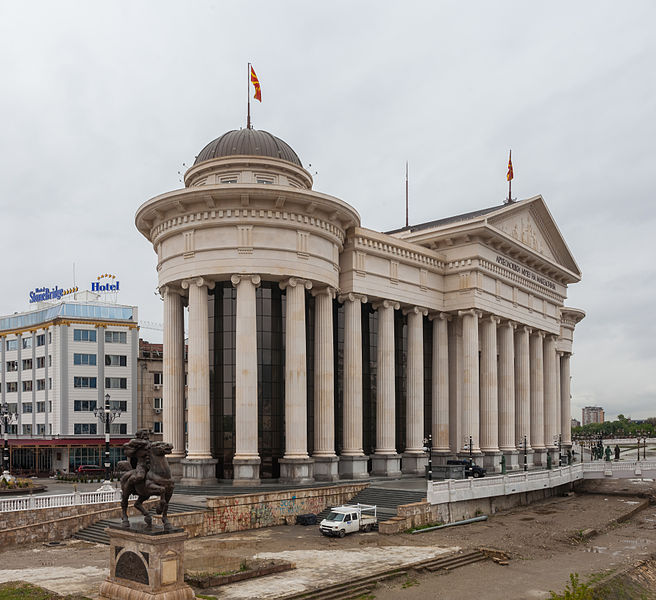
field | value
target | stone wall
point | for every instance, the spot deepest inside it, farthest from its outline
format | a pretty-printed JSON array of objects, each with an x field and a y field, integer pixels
[
  {"x": 55, "y": 524},
  {"x": 423, "y": 513},
  {"x": 264, "y": 509}
]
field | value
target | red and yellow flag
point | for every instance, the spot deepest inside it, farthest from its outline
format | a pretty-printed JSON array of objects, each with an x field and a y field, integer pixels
[
  {"x": 510, "y": 174},
  {"x": 256, "y": 84}
]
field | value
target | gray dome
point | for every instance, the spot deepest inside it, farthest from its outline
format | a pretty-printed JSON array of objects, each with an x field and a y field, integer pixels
[{"x": 250, "y": 142}]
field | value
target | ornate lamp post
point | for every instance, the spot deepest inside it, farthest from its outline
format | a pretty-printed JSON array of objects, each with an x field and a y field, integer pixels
[
  {"x": 6, "y": 417},
  {"x": 559, "y": 438},
  {"x": 107, "y": 415},
  {"x": 525, "y": 455},
  {"x": 428, "y": 447}
]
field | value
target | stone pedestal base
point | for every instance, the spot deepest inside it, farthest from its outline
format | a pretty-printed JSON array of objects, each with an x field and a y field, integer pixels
[
  {"x": 175, "y": 464},
  {"x": 553, "y": 453},
  {"x": 296, "y": 470},
  {"x": 145, "y": 563},
  {"x": 441, "y": 456},
  {"x": 512, "y": 460},
  {"x": 414, "y": 463},
  {"x": 386, "y": 465},
  {"x": 353, "y": 467},
  {"x": 246, "y": 471},
  {"x": 198, "y": 471},
  {"x": 326, "y": 468},
  {"x": 540, "y": 458},
  {"x": 492, "y": 462}
]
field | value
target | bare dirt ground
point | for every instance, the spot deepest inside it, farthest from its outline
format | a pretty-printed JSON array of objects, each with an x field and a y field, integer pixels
[{"x": 541, "y": 539}]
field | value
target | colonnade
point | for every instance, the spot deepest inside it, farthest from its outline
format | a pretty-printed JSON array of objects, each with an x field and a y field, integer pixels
[{"x": 513, "y": 391}]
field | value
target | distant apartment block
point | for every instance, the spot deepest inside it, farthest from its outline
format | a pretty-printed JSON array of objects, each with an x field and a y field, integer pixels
[{"x": 592, "y": 414}]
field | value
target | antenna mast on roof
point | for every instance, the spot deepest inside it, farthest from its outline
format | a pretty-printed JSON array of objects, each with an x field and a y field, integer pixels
[{"x": 406, "y": 193}]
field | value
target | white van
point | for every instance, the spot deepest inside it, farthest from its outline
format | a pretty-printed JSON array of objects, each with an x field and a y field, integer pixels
[{"x": 349, "y": 518}]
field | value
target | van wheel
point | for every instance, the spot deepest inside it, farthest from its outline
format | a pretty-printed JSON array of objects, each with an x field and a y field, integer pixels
[
  {"x": 342, "y": 533},
  {"x": 367, "y": 528},
  {"x": 476, "y": 474}
]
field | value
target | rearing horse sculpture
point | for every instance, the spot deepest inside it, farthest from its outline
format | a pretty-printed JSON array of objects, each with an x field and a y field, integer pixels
[{"x": 146, "y": 474}]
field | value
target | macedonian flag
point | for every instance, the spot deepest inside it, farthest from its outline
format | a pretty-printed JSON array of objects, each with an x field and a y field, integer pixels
[
  {"x": 510, "y": 174},
  {"x": 256, "y": 84}
]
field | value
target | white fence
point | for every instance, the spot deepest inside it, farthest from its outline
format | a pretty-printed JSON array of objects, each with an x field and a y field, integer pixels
[
  {"x": 77, "y": 498},
  {"x": 455, "y": 490}
]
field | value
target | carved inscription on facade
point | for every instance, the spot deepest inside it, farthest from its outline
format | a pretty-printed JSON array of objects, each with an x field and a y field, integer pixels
[{"x": 525, "y": 272}]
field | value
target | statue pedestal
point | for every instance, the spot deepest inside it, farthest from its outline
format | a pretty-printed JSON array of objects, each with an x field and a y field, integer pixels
[{"x": 145, "y": 563}]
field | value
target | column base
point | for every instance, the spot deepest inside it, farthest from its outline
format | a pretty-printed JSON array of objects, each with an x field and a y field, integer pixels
[
  {"x": 198, "y": 471},
  {"x": 296, "y": 470},
  {"x": 326, "y": 468},
  {"x": 246, "y": 471},
  {"x": 492, "y": 461},
  {"x": 353, "y": 467},
  {"x": 386, "y": 465},
  {"x": 512, "y": 460},
  {"x": 175, "y": 464},
  {"x": 441, "y": 456},
  {"x": 414, "y": 463},
  {"x": 529, "y": 458},
  {"x": 553, "y": 453},
  {"x": 540, "y": 457}
]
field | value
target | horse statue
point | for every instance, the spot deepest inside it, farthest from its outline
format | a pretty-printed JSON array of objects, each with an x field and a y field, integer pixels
[{"x": 146, "y": 473}]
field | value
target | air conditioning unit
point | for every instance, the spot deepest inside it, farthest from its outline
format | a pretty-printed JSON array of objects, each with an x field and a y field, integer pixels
[{"x": 157, "y": 410}]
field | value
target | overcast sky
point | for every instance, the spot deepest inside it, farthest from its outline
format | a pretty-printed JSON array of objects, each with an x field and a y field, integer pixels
[{"x": 103, "y": 102}]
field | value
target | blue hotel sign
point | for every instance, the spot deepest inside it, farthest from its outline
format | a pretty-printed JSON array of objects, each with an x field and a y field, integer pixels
[
  {"x": 105, "y": 283},
  {"x": 43, "y": 293}
]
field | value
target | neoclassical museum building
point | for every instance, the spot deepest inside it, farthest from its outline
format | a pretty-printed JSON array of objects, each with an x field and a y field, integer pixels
[{"x": 321, "y": 350}]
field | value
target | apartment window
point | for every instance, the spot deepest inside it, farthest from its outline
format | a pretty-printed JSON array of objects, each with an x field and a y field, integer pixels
[
  {"x": 84, "y": 335},
  {"x": 157, "y": 403},
  {"x": 27, "y": 386},
  {"x": 13, "y": 407},
  {"x": 27, "y": 342},
  {"x": 41, "y": 339},
  {"x": 40, "y": 385},
  {"x": 120, "y": 428},
  {"x": 84, "y": 359},
  {"x": 49, "y": 383},
  {"x": 27, "y": 364},
  {"x": 157, "y": 427},
  {"x": 116, "y": 383},
  {"x": 116, "y": 337},
  {"x": 26, "y": 408},
  {"x": 40, "y": 362},
  {"x": 27, "y": 429},
  {"x": 84, "y": 405},
  {"x": 85, "y": 428},
  {"x": 40, "y": 429},
  {"x": 40, "y": 407},
  {"x": 12, "y": 344},
  {"x": 84, "y": 382},
  {"x": 157, "y": 378},
  {"x": 12, "y": 365},
  {"x": 50, "y": 337},
  {"x": 12, "y": 386},
  {"x": 49, "y": 360},
  {"x": 50, "y": 407},
  {"x": 116, "y": 360},
  {"x": 121, "y": 405}
]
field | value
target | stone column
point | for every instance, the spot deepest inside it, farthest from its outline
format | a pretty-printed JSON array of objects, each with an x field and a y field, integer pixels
[
  {"x": 246, "y": 460},
  {"x": 559, "y": 429},
  {"x": 507, "y": 442},
  {"x": 385, "y": 460},
  {"x": 565, "y": 398},
  {"x": 489, "y": 400},
  {"x": 537, "y": 397},
  {"x": 440, "y": 393},
  {"x": 470, "y": 380},
  {"x": 295, "y": 466},
  {"x": 173, "y": 373},
  {"x": 199, "y": 468},
  {"x": 523, "y": 394},
  {"x": 414, "y": 457},
  {"x": 352, "y": 461},
  {"x": 550, "y": 387},
  {"x": 325, "y": 460}
]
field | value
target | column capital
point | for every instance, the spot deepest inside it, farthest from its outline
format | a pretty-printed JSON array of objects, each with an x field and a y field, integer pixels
[
  {"x": 352, "y": 297},
  {"x": 417, "y": 310},
  {"x": 167, "y": 289},
  {"x": 551, "y": 337},
  {"x": 198, "y": 281},
  {"x": 237, "y": 278},
  {"x": 492, "y": 318},
  {"x": 508, "y": 323},
  {"x": 325, "y": 290},
  {"x": 393, "y": 304},
  {"x": 442, "y": 316},
  {"x": 294, "y": 281},
  {"x": 470, "y": 312},
  {"x": 539, "y": 333},
  {"x": 524, "y": 329}
]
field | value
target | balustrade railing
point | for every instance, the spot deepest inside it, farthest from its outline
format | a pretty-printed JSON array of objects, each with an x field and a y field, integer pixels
[{"x": 59, "y": 500}]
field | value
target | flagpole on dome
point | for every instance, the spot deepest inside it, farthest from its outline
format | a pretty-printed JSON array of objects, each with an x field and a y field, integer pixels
[
  {"x": 509, "y": 177},
  {"x": 248, "y": 96}
]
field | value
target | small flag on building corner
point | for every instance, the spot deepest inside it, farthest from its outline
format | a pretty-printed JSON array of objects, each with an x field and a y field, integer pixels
[
  {"x": 510, "y": 174},
  {"x": 256, "y": 84}
]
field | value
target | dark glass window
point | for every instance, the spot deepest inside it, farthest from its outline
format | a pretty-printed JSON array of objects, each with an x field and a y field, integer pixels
[{"x": 400, "y": 367}]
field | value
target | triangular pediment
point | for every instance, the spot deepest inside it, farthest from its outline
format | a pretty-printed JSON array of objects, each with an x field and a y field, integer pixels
[{"x": 530, "y": 223}]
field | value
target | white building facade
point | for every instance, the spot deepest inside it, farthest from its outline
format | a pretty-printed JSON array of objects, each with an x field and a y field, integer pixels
[
  {"x": 319, "y": 349},
  {"x": 57, "y": 364}
]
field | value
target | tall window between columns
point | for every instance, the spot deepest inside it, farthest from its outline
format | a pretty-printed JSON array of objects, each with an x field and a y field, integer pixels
[
  {"x": 338, "y": 350},
  {"x": 369, "y": 378},
  {"x": 400, "y": 373},
  {"x": 428, "y": 375}
]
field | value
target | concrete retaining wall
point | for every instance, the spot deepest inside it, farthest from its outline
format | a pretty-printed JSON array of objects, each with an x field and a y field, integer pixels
[{"x": 423, "y": 513}]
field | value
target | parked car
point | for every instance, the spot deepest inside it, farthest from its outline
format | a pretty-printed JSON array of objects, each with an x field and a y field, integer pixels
[
  {"x": 471, "y": 468},
  {"x": 90, "y": 470}
]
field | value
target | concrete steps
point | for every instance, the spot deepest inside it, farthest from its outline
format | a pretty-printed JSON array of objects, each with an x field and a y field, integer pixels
[
  {"x": 96, "y": 533},
  {"x": 386, "y": 500}
]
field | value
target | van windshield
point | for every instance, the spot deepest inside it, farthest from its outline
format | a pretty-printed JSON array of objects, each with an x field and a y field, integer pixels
[{"x": 333, "y": 516}]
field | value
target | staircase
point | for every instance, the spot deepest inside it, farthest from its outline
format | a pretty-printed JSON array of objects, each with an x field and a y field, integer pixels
[
  {"x": 386, "y": 500},
  {"x": 96, "y": 533}
]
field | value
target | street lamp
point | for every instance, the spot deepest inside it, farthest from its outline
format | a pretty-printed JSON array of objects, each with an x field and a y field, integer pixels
[
  {"x": 428, "y": 447},
  {"x": 6, "y": 417},
  {"x": 559, "y": 438},
  {"x": 107, "y": 415},
  {"x": 525, "y": 455}
]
